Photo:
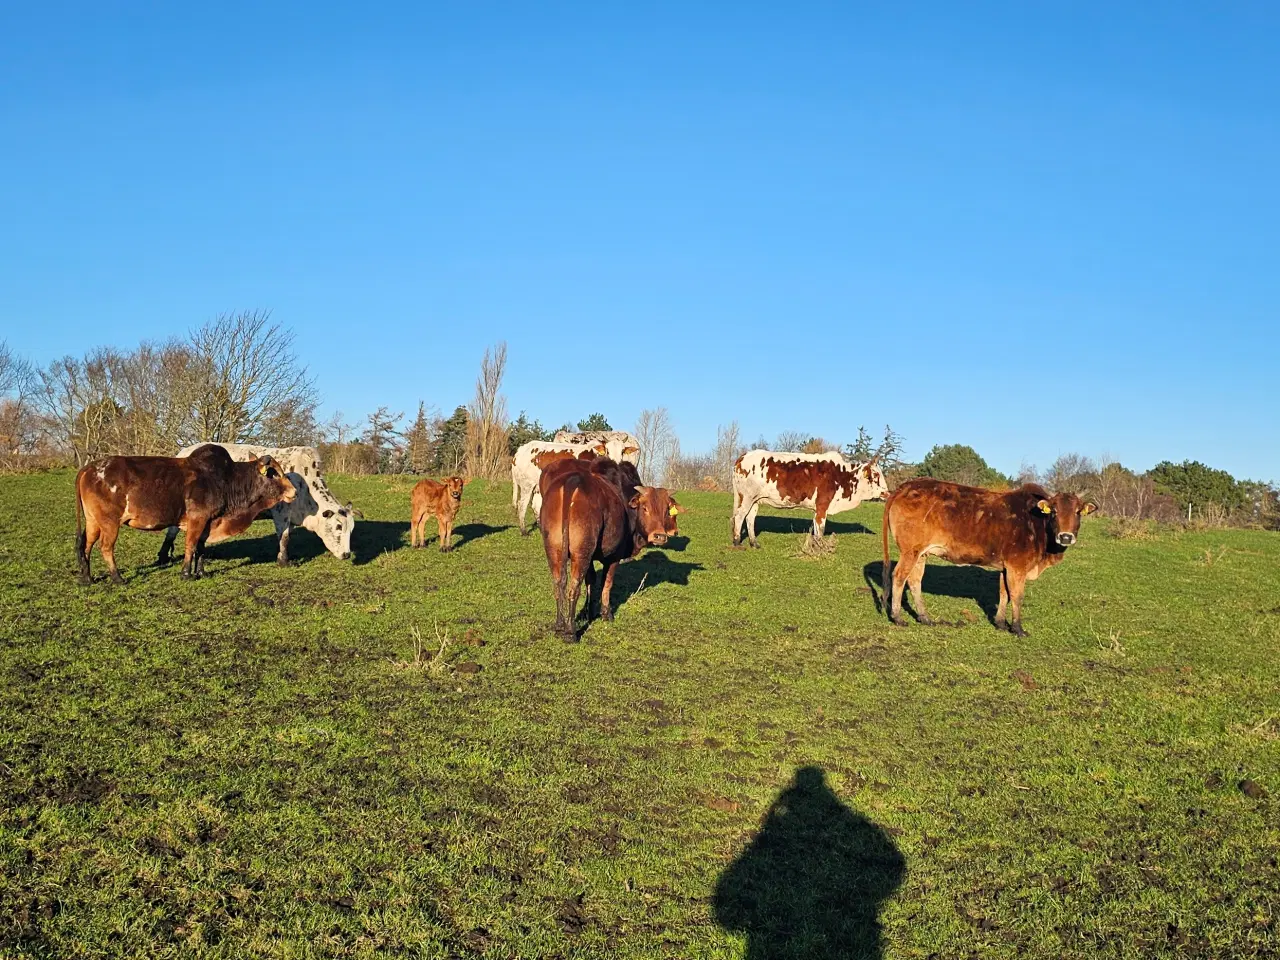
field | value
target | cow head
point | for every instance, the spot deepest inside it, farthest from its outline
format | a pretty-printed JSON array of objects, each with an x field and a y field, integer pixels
[
  {"x": 1062, "y": 514},
  {"x": 454, "y": 486},
  {"x": 655, "y": 511},
  {"x": 273, "y": 485},
  {"x": 335, "y": 528},
  {"x": 872, "y": 474}
]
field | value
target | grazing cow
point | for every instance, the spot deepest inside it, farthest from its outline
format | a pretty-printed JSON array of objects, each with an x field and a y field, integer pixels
[
  {"x": 619, "y": 445},
  {"x": 1021, "y": 533},
  {"x": 598, "y": 512},
  {"x": 826, "y": 483},
  {"x": 207, "y": 494},
  {"x": 528, "y": 463},
  {"x": 314, "y": 509},
  {"x": 438, "y": 499}
]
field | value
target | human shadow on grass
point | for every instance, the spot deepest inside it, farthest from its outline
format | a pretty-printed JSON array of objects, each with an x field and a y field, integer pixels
[
  {"x": 812, "y": 882},
  {"x": 803, "y": 523},
  {"x": 943, "y": 580}
]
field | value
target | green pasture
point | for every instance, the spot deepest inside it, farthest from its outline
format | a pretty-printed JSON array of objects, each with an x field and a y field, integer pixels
[{"x": 395, "y": 757}]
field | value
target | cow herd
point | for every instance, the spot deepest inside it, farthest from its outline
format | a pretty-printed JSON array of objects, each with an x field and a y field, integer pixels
[{"x": 591, "y": 507}]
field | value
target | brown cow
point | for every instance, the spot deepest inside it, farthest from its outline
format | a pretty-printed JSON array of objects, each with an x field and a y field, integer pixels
[
  {"x": 598, "y": 511},
  {"x": 438, "y": 499},
  {"x": 207, "y": 494},
  {"x": 1019, "y": 532}
]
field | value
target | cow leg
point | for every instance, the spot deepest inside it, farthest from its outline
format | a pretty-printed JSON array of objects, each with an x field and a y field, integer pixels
[
  {"x": 906, "y": 562},
  {"x": 735, "y": 521},
  {"x": 445, "y": 533},
  {"x": 1017, "y": 587},
  {"x": 593, "y": 592},
  {"x": 282, "y": 555},
  {"x": 556, "y": 562},
  {"x": 166, "y": 548},
  {"x": 197, "y": 532},
  {"x": 91, "y": 533},
  {"x": 525, "y": 496},
  {"x": 1004, "y": 597},
  {"x": 413, "y": 531},
  {"x": 914, "y": 578},
  {"x": 576, "y": 575},
  {"x": 110, "y": 531},
  {"x": 606, "y": 607},
  {"x": 751, "y": 524}
]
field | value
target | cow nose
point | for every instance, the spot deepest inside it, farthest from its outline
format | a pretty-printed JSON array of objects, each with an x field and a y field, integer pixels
[
  {"x": 658, "y": 539},
  {"x": 1066, "y": 539}
]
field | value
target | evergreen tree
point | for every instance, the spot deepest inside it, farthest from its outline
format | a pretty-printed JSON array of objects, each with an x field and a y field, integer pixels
[
  {"x": 384, "y": 439},
  {"x": 1193, "y": 483},
  {"x": 594, "y": 422},
  {"x": 960, "y": 463},
  {"x": 449, "y": 452},
  {"x": 418, "y": 442},
  {"x": 521, "y": 430}
]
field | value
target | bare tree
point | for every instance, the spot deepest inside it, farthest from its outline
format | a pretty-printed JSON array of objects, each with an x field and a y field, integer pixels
[
  {"x": 728, "y": 449},
  {"x": 244, "y": 370},
  {"x": 1071, "y": 473},
  {"x": 657, "y": 443},
  {"x": 487, "y": 418},
  {"x": 17, "y": 417},
  {"x": 383, "y": 438},
  {"x": 790, "y": 441}
]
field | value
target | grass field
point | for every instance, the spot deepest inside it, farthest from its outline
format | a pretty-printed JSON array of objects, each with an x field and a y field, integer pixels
[{"x": 395, "y": 756}]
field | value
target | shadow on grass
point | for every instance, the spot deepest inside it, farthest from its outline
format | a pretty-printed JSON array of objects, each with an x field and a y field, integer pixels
[
  {"x": 372, "y": 538},
  {"x": 803, "y": 523},
  {"x": 944, "y": 580},
  {"x": 812, "y": 882},
  {"x": 653, "y": 568}
]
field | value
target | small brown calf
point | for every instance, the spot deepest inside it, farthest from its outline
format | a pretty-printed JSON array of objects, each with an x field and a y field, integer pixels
[{"x": 440, "y": 499}]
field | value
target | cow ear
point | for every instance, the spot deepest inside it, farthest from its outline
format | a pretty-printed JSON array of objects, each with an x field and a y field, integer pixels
[
  {"x": 1044, "y": 506},
  {"x": 263, "y": 466},
  {"x": 634, "y": 502},
  {"x": 1088, "y": 508}
]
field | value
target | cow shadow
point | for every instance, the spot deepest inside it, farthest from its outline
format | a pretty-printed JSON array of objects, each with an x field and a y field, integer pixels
[
  {"x": 653, "y": 568},
  {"x": 803, "y": 523},
  {"x": 372, "y": 538},
  {"x": 812, "y": 881},
  {"x": 304, "y": 546},
  {"x": 943, "y": 580},
  {"x": 474, "y": 531}
]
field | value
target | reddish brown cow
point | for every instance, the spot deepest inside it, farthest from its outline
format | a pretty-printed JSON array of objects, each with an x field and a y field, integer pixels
[
  {"x": 592, "y": 512},
  {"x": 207, "y": 494},
  {"x": 440, "y": 500},
  {"x": 1019, "y": 532}
]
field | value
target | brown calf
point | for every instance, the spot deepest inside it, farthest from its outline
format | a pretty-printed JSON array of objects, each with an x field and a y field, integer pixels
[
  {"x": 207, "y": 494},
  {"x": 598, "y": 512},
  {"x": 438, "y": 499},
  {"x": 1021, "y": 533}
]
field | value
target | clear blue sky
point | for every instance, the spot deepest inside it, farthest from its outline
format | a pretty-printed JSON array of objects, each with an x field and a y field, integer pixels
[{"x": 1031, "y": 227}]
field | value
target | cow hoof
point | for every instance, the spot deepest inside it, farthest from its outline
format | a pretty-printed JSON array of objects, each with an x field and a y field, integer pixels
[
  {"x": 1017, "y": 631},
  {"x": 85, "y": 580},
  {"x": 927, "y": 621},
  {"x": 897, "y": 621}
]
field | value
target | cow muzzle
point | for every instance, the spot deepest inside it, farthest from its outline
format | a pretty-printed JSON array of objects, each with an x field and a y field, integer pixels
[
  {"x": 658, "y": 539},
  {"x": 346, "y": 556},
  {"x": 1066, "y": 539}
]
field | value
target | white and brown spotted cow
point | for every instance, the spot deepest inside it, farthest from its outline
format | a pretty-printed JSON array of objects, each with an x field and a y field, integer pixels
[
  {"x": 826, "y": 483},
  {"x": 619, "y": 445},
  {"x": 314, "y": 509},
  {"x": 527, "y": 465}
]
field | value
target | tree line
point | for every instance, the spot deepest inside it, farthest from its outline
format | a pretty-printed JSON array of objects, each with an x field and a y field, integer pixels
[{"x": 237, "y": 378}]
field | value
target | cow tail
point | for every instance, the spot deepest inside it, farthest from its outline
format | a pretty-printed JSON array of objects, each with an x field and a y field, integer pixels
[
  {"x": 571, "y": 484},
  {"x": 80, "y": 523},
  {"x": 885, "y": 578}
]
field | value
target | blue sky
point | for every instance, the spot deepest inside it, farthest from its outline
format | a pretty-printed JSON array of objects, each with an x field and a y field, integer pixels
[{"x": 1034, "y": 228}]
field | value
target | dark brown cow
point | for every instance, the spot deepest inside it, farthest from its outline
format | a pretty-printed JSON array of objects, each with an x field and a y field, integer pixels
[
  {"x": 438, "y": 499},
  {"x": 1019, "y": 532},
  {"x": 207, "y": 494},
  {"x": 598, "y": 511}
]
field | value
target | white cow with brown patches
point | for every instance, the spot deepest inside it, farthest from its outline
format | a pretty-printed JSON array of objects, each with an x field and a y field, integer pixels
[
  {"x": 314, "y": 509},
  {"x": 527, "y": 465},
  {"x": 826, "y": 483},
  {"x": 619, "y": 445}
]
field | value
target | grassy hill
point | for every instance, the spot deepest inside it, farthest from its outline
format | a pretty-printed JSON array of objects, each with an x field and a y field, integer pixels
[{"x": 394, "y": 756}]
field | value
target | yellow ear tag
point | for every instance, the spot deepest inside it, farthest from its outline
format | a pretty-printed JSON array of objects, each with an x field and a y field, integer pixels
[
  {"x": 1044, "y": 507},
  {"x": 673, "y": 511}
]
